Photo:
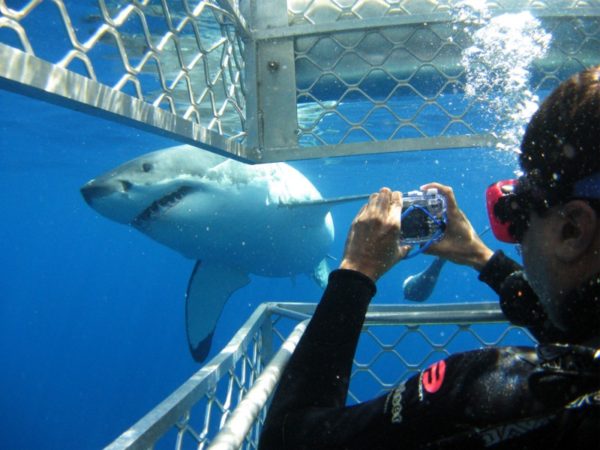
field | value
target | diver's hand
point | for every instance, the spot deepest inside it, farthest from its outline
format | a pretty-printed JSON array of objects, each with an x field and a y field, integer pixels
[
  {"x": 461, "y": 243},
  {"x": 372, "y": 246}
]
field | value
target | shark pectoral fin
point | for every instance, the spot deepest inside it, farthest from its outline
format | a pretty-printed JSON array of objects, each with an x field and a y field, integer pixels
[
  {"x": 209, "y": 288},
  {"x": 321, "y": 273}
]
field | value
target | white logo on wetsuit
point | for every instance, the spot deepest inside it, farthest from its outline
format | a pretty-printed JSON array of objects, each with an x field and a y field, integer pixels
[{"x": 395, "y": 398}]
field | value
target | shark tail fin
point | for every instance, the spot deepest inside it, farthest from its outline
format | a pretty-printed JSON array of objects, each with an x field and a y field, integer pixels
[
  {"x": 209, "y": 288},
  {"x": 419, "y": 287}
]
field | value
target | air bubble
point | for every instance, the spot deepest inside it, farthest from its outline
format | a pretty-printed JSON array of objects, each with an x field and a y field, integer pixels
[
  {"x": 569, "y": 151},
  {"x": 497, "y": 68}
]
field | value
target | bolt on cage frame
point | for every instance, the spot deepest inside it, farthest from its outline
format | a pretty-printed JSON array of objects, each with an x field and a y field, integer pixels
[{"x": 263, "y": 80}]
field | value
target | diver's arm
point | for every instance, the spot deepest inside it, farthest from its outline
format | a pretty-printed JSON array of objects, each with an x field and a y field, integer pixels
[
  {"x": 497, "y": 269},
  {"x": 318, "y": 373},
  {"x": 518, "y": 301}
]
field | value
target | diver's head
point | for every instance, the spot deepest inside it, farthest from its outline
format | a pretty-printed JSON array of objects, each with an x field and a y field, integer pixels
[
  {"x": 556, "y": 203},
  {"x": 561, "y": 145}
]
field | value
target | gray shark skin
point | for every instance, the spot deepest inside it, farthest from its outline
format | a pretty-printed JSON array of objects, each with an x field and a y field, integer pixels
[
  {"x": 419, "y": 287},
  {"x": 230, "y": 217}
]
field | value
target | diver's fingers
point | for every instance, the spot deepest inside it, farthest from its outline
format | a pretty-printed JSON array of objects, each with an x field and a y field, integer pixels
[
  {"x": 404, "y": 250},
  {"x": 384, "y": 198},
  {"x": 397, "y": 199},
  {"x": 385, "y": 205},
  {"x": 396, "y": 205},
  {"x": 446, "y": 191},
  {"x": 367, "y": 209},
  {"x": 370, "y": 202}
]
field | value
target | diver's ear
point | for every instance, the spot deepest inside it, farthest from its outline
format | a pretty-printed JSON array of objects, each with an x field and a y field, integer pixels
[{"x": 578, "y": 226}]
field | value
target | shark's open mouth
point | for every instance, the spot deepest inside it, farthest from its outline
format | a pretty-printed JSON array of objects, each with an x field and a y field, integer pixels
[{"x": 160, "y": 207}]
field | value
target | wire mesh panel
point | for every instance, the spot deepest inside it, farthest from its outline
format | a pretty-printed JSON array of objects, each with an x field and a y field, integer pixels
[
  {"x": 272, "y": 81},
  {"x": 388, "y": 355},
  {"x": 175, "y": 67},
  {"x": 223, "y": 406},
  {"x": 407, "y": 83},
  {"x": 193, "y": 415}
]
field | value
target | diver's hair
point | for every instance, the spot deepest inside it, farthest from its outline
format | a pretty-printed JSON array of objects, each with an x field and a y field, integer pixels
[{"x": 562, "y": 141}]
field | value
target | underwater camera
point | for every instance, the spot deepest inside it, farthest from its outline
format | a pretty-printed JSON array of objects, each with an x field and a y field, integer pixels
[{"x": 423, "y": 217}]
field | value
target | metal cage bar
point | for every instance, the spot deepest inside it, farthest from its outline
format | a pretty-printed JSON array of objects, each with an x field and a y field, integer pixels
[
  {"x": 269, "y": 80},
  {"x": 434, "y": 329},
  {"x": 202, "y": 384},
  {"x": 172, "y": 68}
]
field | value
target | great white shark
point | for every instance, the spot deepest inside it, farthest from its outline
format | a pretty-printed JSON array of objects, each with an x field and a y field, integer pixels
[{"x": 233, "y": 219}]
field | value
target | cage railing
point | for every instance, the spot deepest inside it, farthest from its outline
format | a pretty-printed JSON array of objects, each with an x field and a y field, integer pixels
[
  {"x": 270, "y": 80},
  {"x": 175, "y": 68},
  {"x": 223, "y": 405}
]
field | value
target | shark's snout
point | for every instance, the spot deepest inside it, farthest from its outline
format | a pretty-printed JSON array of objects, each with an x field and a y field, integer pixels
[
  {"x": 112, "y": 198},
  {"x": 94, "y": 190}
]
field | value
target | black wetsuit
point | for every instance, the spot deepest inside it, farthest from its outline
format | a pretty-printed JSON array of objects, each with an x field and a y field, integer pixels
[{"x": 519, "y": 398}]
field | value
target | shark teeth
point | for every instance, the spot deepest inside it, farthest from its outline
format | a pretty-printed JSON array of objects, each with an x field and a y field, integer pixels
[{"x": 160, "y": 207}]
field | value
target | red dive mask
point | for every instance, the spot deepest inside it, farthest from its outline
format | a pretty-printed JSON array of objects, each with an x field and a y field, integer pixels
[
  {"x": 509, "y": 203},
  {"x": 500, "y": 192}
]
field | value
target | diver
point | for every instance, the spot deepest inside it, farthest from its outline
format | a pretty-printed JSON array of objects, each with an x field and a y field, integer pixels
[{"x": 542, "y": 397}]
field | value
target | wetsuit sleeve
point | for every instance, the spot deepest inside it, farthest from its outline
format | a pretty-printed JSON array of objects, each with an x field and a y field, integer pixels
[
  {"x": 498, "y": 269},
  {"x": 318, "y": 373},
  {"x": 519, "y": 303}
]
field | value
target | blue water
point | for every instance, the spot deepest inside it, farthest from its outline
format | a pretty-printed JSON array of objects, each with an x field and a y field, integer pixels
[{"x": 91, "y": 317}]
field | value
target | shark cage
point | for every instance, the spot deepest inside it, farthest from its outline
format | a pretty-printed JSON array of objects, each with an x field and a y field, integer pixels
[{"x": 267, "y": 80}]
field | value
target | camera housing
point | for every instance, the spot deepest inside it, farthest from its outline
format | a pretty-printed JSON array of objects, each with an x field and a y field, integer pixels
[{"x": 423, "y": 217}]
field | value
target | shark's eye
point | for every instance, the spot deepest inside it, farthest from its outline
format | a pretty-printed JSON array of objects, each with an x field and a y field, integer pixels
[{"x": 146, "y": 167}]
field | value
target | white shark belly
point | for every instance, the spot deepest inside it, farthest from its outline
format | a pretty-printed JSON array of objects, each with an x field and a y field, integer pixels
[{"x": 245, "y": 233}]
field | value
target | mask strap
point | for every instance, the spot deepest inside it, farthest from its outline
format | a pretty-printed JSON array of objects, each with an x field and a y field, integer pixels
[{"x": 588, "y": 187}]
